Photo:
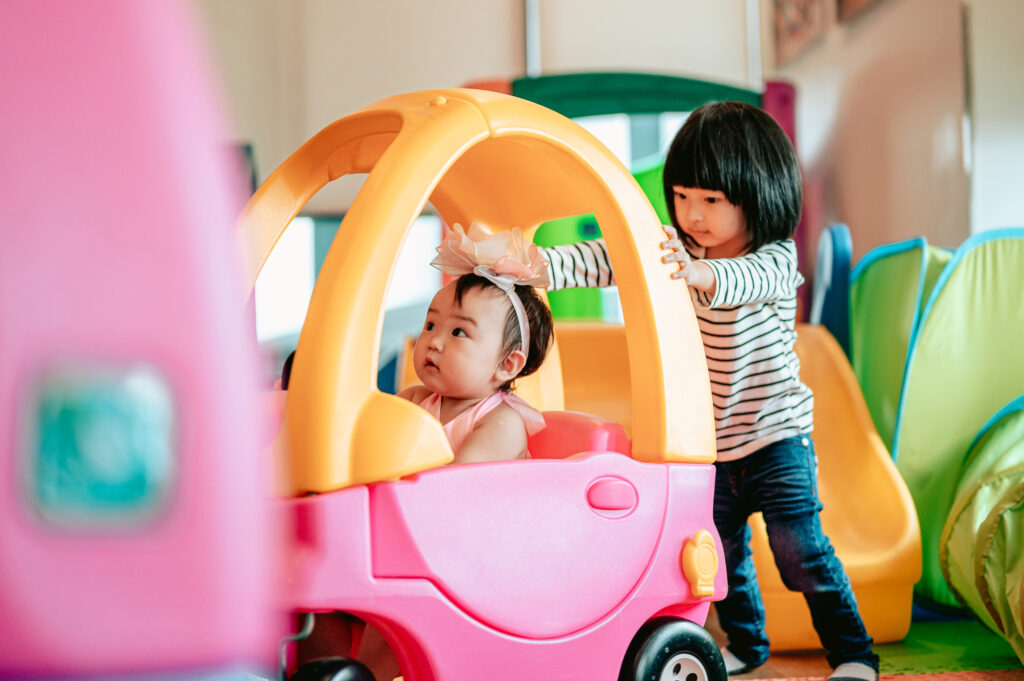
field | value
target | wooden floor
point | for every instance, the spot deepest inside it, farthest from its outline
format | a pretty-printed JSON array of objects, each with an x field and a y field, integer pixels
[
  {"x": 785, "y": 665},
  {"x": 790, "y": 665}
]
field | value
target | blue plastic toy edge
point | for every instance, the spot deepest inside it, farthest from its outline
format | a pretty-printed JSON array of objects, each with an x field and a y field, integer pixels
[
  {"x": 840, "y": 233},
  {"x": 966, "y": 247},
  {"x": 836, "y": 306},
  {"x": 885, "y": 251},
  {"x": 1012, "y": 407}
]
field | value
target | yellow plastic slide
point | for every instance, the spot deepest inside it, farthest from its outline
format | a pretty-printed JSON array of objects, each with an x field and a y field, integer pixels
[{"x": 868, "y": 514}]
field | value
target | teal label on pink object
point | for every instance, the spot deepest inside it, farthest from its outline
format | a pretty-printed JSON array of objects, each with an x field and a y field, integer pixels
[{"x": 101, "y": 450}]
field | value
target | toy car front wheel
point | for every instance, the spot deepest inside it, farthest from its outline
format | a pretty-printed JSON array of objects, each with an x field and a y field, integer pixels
[
  {"x": 673, "y": 650},
  {"x": 332, "y": 669}
]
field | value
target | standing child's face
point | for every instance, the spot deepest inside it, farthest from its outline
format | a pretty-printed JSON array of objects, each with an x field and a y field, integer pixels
[
  {"x": 710, "y": 220},
  {"x": 457, "y": 354}
]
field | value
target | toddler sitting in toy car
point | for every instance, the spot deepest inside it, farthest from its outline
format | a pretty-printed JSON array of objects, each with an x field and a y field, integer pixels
[{"x": 483, "y": 330}]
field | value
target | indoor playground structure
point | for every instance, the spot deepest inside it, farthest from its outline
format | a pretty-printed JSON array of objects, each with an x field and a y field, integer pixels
[
  {"x": 934, "y": 338},
  {"x": 167, "y": 517}
]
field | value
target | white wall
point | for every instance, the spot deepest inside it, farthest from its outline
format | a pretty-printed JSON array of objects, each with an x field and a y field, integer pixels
[
  {"x": 880, "y": 97},
  {"x": 997, "y": 70},
  {"x": 261, "y": 72},
  {"x": 695, "y": 38},
  {"x": 290, "y": 68},
  {"x": 880, "y": 104}
]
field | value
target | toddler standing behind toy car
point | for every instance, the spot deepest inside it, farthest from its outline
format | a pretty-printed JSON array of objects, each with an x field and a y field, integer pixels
[{"x": 733, "y": 186}]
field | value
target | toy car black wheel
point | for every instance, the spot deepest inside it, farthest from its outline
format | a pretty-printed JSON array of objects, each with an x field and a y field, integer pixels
[
  {"x": 332, "y": 669},
  {"x": 668, "y": 649}
]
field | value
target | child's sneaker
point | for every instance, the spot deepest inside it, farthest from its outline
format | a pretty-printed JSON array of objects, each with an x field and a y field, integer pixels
[
  {"x": 853, "y": 671},
  {"x": 734, "y": 665}
]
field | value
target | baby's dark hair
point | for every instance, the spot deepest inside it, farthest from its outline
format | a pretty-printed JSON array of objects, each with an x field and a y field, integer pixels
[
  {"x": 741, "y": 151},
  {"x": 538, "y": 316}
]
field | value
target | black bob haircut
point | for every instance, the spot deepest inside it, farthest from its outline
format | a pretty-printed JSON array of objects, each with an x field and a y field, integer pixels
[
  {"x": 538, "y": 317},
  {"x": 741, "y": 151}
]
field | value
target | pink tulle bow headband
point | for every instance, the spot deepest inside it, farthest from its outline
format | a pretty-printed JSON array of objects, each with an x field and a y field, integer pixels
[{"x": 505, "y": 259}]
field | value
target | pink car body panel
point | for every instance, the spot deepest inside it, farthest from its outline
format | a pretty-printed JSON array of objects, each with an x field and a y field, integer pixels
[{"x": 529, "y": 581}]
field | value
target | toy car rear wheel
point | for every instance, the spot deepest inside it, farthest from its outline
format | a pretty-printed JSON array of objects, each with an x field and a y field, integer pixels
[
  {"x": 669, "y": 649},
  {"x": 333, "y": 669}
]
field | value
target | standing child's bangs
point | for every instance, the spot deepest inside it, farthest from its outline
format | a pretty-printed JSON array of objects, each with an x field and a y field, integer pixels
[{"x": 695, "y": 160}]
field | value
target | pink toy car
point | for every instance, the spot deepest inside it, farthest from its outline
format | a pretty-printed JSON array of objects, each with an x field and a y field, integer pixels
[
  {"x": 601, "y": 567},
  {"x": 599, "y": 560}
]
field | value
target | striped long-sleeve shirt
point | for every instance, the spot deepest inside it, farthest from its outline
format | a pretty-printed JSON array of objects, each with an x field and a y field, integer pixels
[{"x": 748, "y": 331}]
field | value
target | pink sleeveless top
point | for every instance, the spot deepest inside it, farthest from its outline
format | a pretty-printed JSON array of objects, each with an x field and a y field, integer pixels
[{"x": 459, "y": 428}]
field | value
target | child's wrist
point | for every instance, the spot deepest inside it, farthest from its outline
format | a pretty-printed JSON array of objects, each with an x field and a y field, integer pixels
[{"x": 705, "y": 278}]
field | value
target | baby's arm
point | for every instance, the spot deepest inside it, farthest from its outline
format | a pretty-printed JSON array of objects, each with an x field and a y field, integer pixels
[
  {"x": 415, "y": 393},
  {"x": 580, "y": 265},
  {"x": 501, "y": 436}
]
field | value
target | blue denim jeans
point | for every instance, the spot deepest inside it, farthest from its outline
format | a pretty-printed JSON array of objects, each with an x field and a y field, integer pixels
[{"x": 780, "y": 481}]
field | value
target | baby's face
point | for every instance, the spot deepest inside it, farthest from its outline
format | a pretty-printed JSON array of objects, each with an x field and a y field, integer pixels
[{"x": 458, "y": 351}]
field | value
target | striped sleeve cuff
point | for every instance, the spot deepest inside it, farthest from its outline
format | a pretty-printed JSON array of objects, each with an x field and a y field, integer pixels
[{"x": 581, "y": 265}]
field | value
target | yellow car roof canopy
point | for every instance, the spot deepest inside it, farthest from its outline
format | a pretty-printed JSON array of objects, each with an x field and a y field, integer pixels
[{"x": 481, "y": 156}]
